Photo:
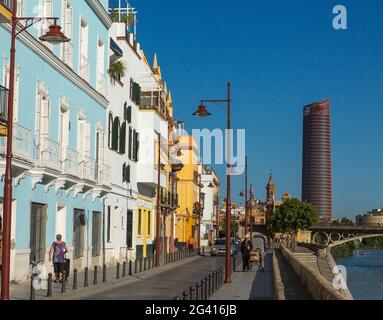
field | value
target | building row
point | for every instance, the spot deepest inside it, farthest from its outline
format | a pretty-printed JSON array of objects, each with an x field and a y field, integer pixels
[{"x": 97, "y": 151}]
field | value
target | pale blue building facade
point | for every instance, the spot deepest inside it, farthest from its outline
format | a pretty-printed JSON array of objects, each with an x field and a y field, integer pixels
[{"x": 61, "y": 176}]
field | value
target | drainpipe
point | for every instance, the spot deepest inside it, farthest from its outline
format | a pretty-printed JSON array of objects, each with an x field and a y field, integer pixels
[{"x": 103, "y": 232}]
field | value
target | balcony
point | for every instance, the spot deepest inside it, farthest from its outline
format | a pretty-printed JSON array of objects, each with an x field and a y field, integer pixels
[
  {"x": 6, "y": 11},
  {"x": 84, "y": 68},
  {"x": 70, "y": 165},
  {"x": 21, "y": 149},
  {"x": 50, "y": 154},
  {"x": 88, "y": 169},
  {"x": 4, "y": 93},
  {"x": 103, "y": 174}
]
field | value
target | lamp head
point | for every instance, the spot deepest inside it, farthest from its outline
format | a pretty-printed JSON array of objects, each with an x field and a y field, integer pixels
[
  {"x": 54, "y": 35},
  {"x": 201, "y": 112}
]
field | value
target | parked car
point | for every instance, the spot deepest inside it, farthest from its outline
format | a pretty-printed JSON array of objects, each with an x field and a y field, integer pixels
[{"x": 219, "y": 248}]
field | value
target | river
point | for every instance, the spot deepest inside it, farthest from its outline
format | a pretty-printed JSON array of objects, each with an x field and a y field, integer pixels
[{"x": 364, "y": 274}]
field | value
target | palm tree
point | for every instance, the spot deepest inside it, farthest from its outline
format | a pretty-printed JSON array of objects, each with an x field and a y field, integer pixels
[{"x": 117, "y": 70}]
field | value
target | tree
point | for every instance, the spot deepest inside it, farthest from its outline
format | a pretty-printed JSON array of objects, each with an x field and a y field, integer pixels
[
  {"x": 293, "y": 215},
  {"x": 234, "y": 227}
]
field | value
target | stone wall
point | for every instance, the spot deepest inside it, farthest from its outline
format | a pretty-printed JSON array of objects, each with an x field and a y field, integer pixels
[
  {"x": 279, "y": 288},
  {"x": 316, "y": 284}
]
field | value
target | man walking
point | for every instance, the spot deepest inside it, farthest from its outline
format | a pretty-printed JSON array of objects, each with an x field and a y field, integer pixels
[
  {"x": 57, "y": 254},
  {"x": 246, "y": 247}
]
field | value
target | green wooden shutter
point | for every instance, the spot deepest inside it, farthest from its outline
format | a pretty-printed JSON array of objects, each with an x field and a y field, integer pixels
[
  {"x": 115, "y": 134},
  {"x": 122, "y": 138},
  {"x": 130, "y": 144}
]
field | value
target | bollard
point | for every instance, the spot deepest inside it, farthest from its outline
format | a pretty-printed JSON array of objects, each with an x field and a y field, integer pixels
[
  {"x": 124, "y": 269},
  {"x": 185, "y": 295},
  {"x": 197, "y": 291},
  {"x": 95, "y": 274},
  {"x": 130, "y": 267},
  {"x": 149, "y": 261},
  {"x": 192, "y": 289},
  {"x": 206, "y": 288},
  {"x": 219, "y": 278},
  {"x": 145, "y": 264},
  {"x": 213, "y": 282},
  {"x": 49, "y": 291},
  {"x": 104, "y": 273},
  {"x": 86, "y": 284},
  {"x": 216, "y": 280},
  {"x": 63, "y": 284},
  {"x": 203, "y": 282},
  {"x": 209, "y": 284},
  {"x": 118, "y": 270},
  {"x": 141, "y": 264},
  {"x": 75, "y": 287}
]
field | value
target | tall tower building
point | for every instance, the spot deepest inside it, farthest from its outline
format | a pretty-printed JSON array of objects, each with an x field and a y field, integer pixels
[
  {"x": 316, "y": 165},
  {"x": 270, "y": 196}
]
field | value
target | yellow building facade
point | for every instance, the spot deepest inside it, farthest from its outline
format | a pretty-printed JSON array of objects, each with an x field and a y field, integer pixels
[{"x": 188, "y": 191}]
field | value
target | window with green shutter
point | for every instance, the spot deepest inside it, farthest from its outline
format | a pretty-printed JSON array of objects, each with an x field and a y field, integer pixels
[
  {"x": 130, "y": 143},
  {"x": 110, "y": 129},
  {"x": 116, "y": 134},
  {"x": 122, "y": 138}
]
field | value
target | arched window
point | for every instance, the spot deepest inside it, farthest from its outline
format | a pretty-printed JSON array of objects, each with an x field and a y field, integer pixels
[
  {"x": 116, "y": 134},
  {"x": 122, "y": 138},
  {"x": 110, "y": 129}
]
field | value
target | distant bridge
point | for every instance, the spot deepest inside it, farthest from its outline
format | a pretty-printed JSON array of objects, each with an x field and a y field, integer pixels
[{"x": 332, "y": 235}]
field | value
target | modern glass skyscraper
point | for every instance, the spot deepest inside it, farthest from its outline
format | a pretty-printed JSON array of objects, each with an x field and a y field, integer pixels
[{"x": 316, "y": 166}]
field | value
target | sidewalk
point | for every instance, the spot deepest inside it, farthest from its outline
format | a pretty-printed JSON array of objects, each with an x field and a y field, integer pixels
[
  {"x": 252, "y": 285},
  {"x": 22, "y": 291}
]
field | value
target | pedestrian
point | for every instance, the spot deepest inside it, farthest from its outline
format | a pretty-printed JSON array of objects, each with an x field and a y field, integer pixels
[
  {"x": 191, "y": 243},
  {"x": 246, "y": 247},
  {"x": 57, "y": 254}
]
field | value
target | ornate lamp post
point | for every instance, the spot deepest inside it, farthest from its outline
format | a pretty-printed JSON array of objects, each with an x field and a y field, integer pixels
[
  {"x": 202, "y": 112},
  {"x": 54, "y": 36}
]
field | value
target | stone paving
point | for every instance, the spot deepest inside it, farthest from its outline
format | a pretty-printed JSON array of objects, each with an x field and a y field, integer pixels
[
  {"x": 252, "y": 285},
  {"x": 21, "y": 291}
]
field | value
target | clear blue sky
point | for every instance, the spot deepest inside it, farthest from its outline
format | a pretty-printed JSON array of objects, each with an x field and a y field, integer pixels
[{"x": 279, "y": 56}]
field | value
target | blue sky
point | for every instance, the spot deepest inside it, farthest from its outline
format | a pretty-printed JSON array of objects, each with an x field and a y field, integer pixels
[{"x": 279, "y": 56}]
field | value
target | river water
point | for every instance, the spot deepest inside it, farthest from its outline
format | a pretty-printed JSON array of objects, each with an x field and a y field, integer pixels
[{"x": 364, "y": 273}]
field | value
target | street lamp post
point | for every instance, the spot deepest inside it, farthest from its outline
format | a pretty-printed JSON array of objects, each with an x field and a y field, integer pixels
[
  {"x": 54, "y": 36},
  {"x": 202, "y": 112}
]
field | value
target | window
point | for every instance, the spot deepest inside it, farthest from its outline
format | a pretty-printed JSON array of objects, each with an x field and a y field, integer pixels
[
  {"x": 67, "y": 48},
  {"x": 130, "y": 143},
  {"x": 116, "y": 134},
  {"x": 126, "y": 173},
  {"x": 100, "y": 85},
  {"x": 38, "y": 231},
  {"x": 96, "y": 234},
  {"x": 108, "y": 225},
  {"x": 135, "y": 145},
  {"x": 129, "y": 229},
  {"x": 110, "y": 128},
  {"x": 135, "y": 92},
  {"x": 128, "y": 113},
  {"x": 122, "y": 138},
  {"x": 78, "y": 233},
  {"x": 6, "y": 76},
  {"x": 84, "y": 62},
  {"x": 139, "y": 231},
  {"x": 149, "y": 222}
]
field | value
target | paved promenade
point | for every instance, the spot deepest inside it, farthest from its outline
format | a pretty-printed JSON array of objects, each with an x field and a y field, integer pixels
[{"x": 252, "y": 285}]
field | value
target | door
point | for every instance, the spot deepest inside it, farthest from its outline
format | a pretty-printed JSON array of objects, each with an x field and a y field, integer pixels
[
  {"x": 38, "y": 232},
  {"x": 78, "y": 233},
  {"x": 129, "y": 229},
  {"x": 96, "y": 234}
]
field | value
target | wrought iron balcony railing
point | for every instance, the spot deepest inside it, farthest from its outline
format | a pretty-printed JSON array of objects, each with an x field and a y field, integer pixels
[
  {"x": 4, "y": 93},
  {"x": 70, "y": 163},
  {"x": 22, "y": 143},
  {"x": 50, "y": 154}
]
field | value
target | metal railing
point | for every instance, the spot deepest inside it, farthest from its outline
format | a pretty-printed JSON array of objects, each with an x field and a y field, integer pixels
[
  {"x": 70, "y": 163},
  {"x": 88, "y": 168},
  {"x": 50, "y": 154},
  {"x": 84, "y": 67},
  {"x": 22, "y": 143},
  {"x": 103, "y": 174}
]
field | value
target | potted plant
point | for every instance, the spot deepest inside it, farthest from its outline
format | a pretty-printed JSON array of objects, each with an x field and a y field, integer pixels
[{"x": 117, "y": 70}]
